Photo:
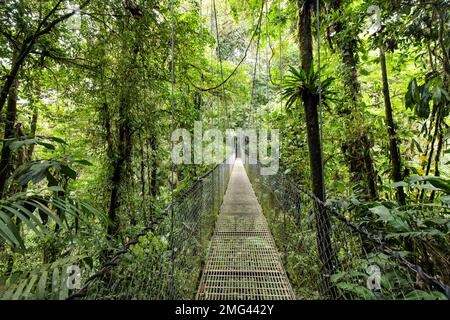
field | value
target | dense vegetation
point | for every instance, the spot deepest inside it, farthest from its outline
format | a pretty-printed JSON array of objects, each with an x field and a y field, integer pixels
[{"x": 86, "y": 116}]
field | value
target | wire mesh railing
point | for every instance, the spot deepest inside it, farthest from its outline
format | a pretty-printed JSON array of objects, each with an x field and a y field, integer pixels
[
  {"x": 166, "y": 258},
  {"x": 327, "y": 256}
]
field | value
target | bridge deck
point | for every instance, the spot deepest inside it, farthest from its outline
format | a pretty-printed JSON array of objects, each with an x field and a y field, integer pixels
[{"x": 243, "y": 262}]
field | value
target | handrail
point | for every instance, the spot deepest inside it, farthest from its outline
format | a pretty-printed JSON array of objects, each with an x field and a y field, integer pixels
[
  {"x": 150, "y": 227},
  {"x": 378, "y": 241}
]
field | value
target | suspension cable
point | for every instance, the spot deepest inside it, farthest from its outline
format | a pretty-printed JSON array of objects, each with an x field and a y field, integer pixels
[
  {"x": 267, "y": 53},
  {"x": 281, "y": 74},
  {"x": 218, "y": 43},
  {"x": 201, "y": 59},
  {"x": 319, "y": 89},
  {"x": 219, "y": 53},
  {"x": 247, "y": 49},
  {"x": 272, "y": 50},
  {"x": 172, "y": 108},
  {"x": 258, "y": 43}
]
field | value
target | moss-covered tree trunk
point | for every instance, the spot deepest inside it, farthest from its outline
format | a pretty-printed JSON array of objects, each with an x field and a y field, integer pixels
[
  {"x": 310, "y": 103},
  {"x": 9, "y": 133},
  {"x": 357, "y": 145},
  {"x": 121, "y": 148},
  {"x": 119, "y": 164},
  {"x": 393, "y": 139}
]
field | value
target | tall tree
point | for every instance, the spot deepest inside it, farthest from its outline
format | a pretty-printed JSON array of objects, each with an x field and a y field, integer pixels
[
  {"x": 391, "y": 128},
  {"x": 357, "y": 144},
  {"x": 120, "y": 155},
  {"x": 9, "y": 133},
  {"x": 43, "y": 27},
  {"x": 310, "y": 104}
]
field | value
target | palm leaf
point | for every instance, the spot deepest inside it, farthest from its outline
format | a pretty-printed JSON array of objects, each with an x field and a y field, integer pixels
[
  {"x": 36, "y": 284},
  {"x": 26, "y": 208}
]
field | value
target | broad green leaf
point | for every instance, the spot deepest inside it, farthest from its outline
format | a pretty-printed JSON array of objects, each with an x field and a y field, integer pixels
[
  {"x": 391, "y": 218},
  {"x": 10, "y": 230},
  {"x": 83, "y": 162},
  {"x": 446, "y": 199},
  {"x": 68, "y": 172},
  {"x": 45, "y": 210},
  {"x": 359, "y": 291},
  {"x": 16, "y": 145},
  {"x": 399, "y": 184},
  {"x": 25, "y": 220},
  {"x": 55, "y": 189},
  {"x": 58, "y": 140},
  {"x": 46, "y": 145},
  {"x": 428, "y": 186},
  {"x": 382, "y": 212},
  {"x": 31, "y": 216},
  {"x": 440, "y": 184}
]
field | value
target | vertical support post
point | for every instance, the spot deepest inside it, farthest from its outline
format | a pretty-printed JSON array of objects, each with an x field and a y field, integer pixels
[{"x": 323, "y": 230}]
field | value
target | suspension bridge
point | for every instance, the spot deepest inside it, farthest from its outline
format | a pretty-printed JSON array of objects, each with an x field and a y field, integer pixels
[
  {"x": 236, "y": 234},
  {"x": 243, "y": 261}
]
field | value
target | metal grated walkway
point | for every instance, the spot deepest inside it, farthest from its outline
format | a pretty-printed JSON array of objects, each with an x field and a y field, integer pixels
[{"x": 243, "y": 261}]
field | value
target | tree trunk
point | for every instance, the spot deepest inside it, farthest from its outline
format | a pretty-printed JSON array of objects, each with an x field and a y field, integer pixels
[
  {"x": 142, "y": 172},
  {"x": 357, "y": 147},
  {"x": 154, "y": 176},
  {"x": 310, "y": 103},
  {"x": 149, "y": 160},
  {"x": 443, "y": 29},
  {"x": 440, "y": 146},
  {"x": 33, "y": 128},
  {"x": 11, "y": 79},
  {"x": 347, "y": 51},
  {"x": 119, "y": 165},
  {"x": 45, "y": 27},
  {"x": 393, "y": 140},
  {"x": 106, "y": 119},
  {"x": 11, "y": 113}
]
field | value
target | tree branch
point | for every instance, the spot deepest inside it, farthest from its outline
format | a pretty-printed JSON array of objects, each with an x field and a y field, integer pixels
[{"x": 28, "y": 45}]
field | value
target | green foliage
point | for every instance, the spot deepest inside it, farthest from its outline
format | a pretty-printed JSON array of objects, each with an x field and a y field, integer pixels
[
  {"x": 15, "y": 143},
  {"x": 423, "y": 295},
  {"x": 419, "y": 97},
  {"x": 394, "y": 284},
  {"x": 407, "y": 224},
  {"x": 440, "y": 183},
  {"x": 38, "y": 213},
  {"x": 53, "y": 170}
]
